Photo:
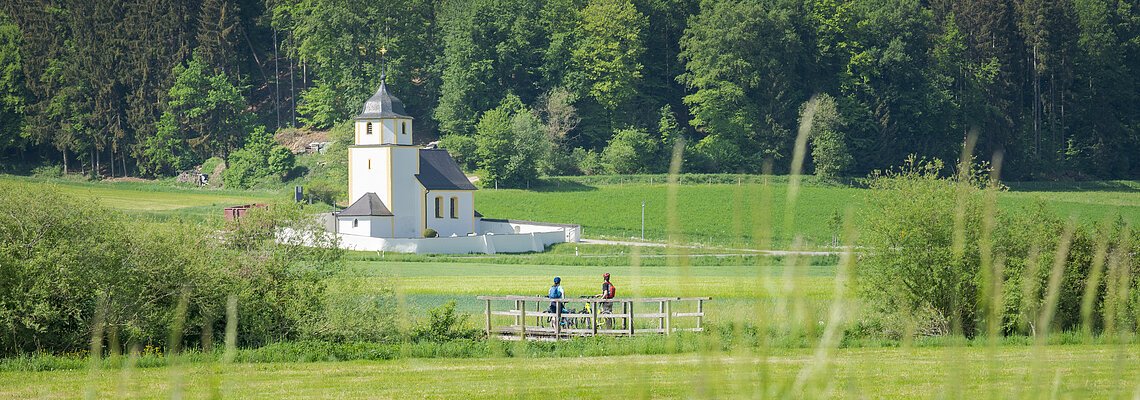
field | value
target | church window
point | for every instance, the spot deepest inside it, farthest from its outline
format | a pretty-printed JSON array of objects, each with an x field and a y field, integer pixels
[
  {"x": 454, "y": 207},
  {"x": 403, "y": 128},
  {"x": 438, "y": 207},
  {"x": 369, "y": 163},
  {"x": 355, "y": 222},
  {"x": 368, "y": 129}
]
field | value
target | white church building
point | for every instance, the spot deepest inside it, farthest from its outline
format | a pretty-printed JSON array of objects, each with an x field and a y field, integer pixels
[{"x": 400, "y": 190}]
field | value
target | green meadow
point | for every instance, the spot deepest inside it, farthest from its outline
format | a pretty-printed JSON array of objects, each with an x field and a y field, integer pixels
[
  {"x": 719, "y": 221},
  {"x": 732, "y": 214}
]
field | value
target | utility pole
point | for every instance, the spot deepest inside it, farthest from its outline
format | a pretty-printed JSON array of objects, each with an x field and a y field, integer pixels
[{"x": 643, "y": 220}]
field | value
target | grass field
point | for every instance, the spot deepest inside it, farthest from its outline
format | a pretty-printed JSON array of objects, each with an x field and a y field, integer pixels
[
  {"x": 154, "y": 199},
  {"x": 728, "y": 214},
  {"x": 1059, "y": 372},
  {"x": 745, "y": 289},
  {"x": 717, "y": 214}
]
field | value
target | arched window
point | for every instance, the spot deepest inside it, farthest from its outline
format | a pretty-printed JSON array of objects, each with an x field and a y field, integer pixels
[
  {"x": 368, "y": 128},
  {"x": 369, "y": 163},
  {"x": 454, "y": 207},
  {"x": 403, "y": 127},
  {"x": 355, "y": 222},
  {"x": 438, "y": 207}
]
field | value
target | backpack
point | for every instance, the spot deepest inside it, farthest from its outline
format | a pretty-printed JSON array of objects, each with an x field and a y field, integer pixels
[{"x": 613, "y": 291}]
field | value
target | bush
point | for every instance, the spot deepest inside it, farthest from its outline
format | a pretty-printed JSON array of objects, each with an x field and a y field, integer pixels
[
  {"x": 48, "y": 171},
  {"x": 430, "y": 233},
  {"x": 444, "y": 325},
  {"x": 631, "y": 151},
  {"x": 260, "y": 158},
  {"x": 829, "y": 150},
  {"x": 935, "y": 247},
  {"x": 67, "y": 260},
  {"x": 589, "y": 162}
]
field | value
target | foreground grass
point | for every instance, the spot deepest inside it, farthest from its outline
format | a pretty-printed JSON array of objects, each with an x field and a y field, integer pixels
[{"x": 1076, "y": 371}]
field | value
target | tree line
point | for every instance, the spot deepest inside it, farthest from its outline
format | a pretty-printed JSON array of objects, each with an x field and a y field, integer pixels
[{"x": 516, "y": 88}]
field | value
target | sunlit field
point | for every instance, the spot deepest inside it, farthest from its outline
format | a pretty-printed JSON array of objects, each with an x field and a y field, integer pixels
[
  {"x": 1063, "y": 372},
  {"x": 775, "y": 326}
]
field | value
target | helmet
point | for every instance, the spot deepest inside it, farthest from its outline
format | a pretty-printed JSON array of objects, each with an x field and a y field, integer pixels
[
  {"x": 606, "y": 276},
  {"x": 557, "y": 279}
]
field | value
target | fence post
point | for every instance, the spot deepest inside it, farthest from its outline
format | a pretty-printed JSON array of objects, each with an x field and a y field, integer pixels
[
  {"x": 558, "y": 319},
  {"x": 669, "y": 317},
  {"x": 631, "y": 318},
  {"x": 661, "y": 310},
  {"x": 488, "y": 316},
  {"x": 594, "y": 320},
  {"x": 522, "y": 317},
  {"x": 700, "y": 312},
  {"x": 518, "y": 307}
]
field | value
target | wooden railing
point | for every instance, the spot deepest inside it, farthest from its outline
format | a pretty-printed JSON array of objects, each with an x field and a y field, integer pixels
[{"x": 535, "y": 317}]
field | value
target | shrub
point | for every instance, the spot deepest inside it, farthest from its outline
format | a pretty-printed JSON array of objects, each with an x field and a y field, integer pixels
[
  {"x": 430, "y": 233},
  {"x": 934, "y": 247},
  {"x": 48, "y": 171},
  {"x": 910, "y": 234},
  {"x": 828, "y": 141},
  {"x": 67, "y": 260},
  {"x": 589, "y": 162},
  {"x": 631, "y": 151},
  {"x": 444, "y": 324},
  {"x": 260, "y": 158}
]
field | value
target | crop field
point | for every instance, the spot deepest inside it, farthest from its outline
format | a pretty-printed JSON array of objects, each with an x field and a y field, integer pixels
[
  {"x": 1062, "y": 372},
  {"x": 728, "y": 214},
  {"x": 714, "y": 214}
]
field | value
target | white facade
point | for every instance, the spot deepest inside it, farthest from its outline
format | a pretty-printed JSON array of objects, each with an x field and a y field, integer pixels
[
  {"x": 451, "y": 212},
  {"x": 366, "y": 226}
]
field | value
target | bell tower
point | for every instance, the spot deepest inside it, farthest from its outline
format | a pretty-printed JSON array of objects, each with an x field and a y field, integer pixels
[{"x": 384, "y": 160}]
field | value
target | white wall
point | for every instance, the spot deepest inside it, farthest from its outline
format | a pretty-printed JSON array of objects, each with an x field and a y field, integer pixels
[
  {"x": 454, "y": 245},
  {"x": 366, "y": 226},
  {"x": 407, "y": 193},
  {"x": 384, "y": 131},
  {"x": 363, "y": 179},
  {"x": 571, "y": 233},
  {"x": 446, "y": 226}
]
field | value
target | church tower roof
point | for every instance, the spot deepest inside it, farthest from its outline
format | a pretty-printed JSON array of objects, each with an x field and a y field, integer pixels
[{"x": 383, "y": 105}]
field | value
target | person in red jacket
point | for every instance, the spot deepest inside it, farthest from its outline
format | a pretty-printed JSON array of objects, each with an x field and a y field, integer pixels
[{"x": 608, "y": 292}]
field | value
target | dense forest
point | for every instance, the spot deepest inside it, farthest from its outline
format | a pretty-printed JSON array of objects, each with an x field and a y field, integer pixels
[{"x": 517, "y": 87}]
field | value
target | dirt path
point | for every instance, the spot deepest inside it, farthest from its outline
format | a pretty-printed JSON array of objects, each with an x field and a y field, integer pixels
[{"x": 764, "y": 252}]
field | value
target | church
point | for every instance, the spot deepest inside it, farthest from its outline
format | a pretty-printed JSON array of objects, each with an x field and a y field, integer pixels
[
  {"x": 401, "y": 193},
  {"x": 399, "y": 189}
]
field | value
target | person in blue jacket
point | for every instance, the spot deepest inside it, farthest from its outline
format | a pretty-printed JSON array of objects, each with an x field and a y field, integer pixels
[{"x": 556, "y": 292}]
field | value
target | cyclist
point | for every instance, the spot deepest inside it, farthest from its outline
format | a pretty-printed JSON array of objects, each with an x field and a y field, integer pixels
[
  {"x": 608, "y": 292},
  {"x": 556, "y": 292}
]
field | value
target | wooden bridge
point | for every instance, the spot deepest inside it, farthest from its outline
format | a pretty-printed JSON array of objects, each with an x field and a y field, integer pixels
[{"x": 530, "y": 317}]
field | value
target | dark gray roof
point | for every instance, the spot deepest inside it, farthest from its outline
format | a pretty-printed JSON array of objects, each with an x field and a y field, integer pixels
[
  {"x": 383, "y": 105},
  {"x": 438, "y": 171},
  {"x": 368, "y": 205}
]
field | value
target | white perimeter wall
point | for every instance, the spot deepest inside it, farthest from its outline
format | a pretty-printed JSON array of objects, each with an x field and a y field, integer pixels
[
  {"x": 488, "y": 244},
  {"x": 572, "y": 233}
]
